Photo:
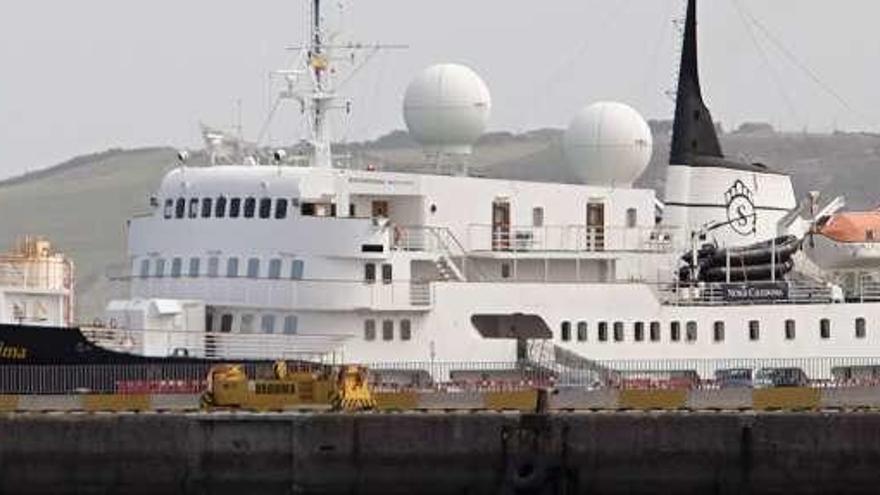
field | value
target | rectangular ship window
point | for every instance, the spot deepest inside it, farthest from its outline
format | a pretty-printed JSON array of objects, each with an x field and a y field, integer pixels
[
  {"x": 232, "y": 267},
  {"x": 160, "y": 268},
  {"x": 639, "y": 331},
  {"x": 754, "y": 330},
  {"x": 265, "y": 207},
  {"x": 280, "y": 209},
  {"x": 180, "y": 208},
  {"x": 369, "y": 330},
  {"x": 718, "y": 331},
  {"x": 234, "y": 207},
  {"x": 194, "y": 266},
  {"x": 825, "y": 328},
  {"x": 145, "y": 268},
  {"x": 790, "y": 330},
  {"x": 220, "y": 207},
  {"x": 250, "y": 206},
  {"x": 861, "y": 328},
  {"x": 207, "y": 204},
  {"x": 290, "y": 325},
  {"x": 691, "y": 331},
  {"x": 618, "y": 331},
  {"x": 193, "y": 207},
  {"x": 267, "y": 324},
  {"x": 253, "y": 268},
  {"x": 387, "y": 330},
  {"x": 603, "y": 331},
  {"x": 213, "y": 267},
  {"x": 176, "y": 267},
  {"x": 655, "y": 331},
  {"x": 675, "y": 331},
  {"x": 582, "y": 331},
  {"x": 566, "y": 331},
  {"x": 169, "y": 208},
  {"x": 296, "y": 269},
  {"x": 370, "y": 273},
  {"x": 405, "y": 330},
  {"x": 275, "y": 268}
]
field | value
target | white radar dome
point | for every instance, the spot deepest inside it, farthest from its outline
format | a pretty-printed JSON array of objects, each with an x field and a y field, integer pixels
[
  {"x": 446, "y": 108},
  {"x": 608, "y": 143}
]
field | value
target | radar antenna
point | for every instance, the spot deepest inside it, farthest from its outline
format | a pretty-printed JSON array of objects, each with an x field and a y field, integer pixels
[{"x": 314, "y": 87}]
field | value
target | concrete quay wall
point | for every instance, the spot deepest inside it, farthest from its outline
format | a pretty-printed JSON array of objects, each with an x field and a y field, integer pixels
[{"x": 405, "y": 453}]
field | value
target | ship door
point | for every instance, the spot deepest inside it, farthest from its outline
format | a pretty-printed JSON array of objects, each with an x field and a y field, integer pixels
[
  {"x": 500, "y": 226},
  {"x": 595, "y": 226},
  {"x": 380, "y": 209}
]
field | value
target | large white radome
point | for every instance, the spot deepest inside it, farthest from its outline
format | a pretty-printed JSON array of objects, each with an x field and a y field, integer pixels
[
  {"x": 446, "y": 108},
  {"x": 608, "y": 143}
]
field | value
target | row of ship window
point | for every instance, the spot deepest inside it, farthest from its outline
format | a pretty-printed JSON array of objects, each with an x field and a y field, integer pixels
[
  {"x": 651, "y": 332},
  {"x": 223, "y": 207},
  {"x": 269, "y": 323},
  {"x": 404, "y": 332},
  {"x": 276, "y": 269}
]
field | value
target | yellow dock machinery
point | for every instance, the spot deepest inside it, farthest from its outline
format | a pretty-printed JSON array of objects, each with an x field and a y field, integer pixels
[{"x": 338, "y": 388}]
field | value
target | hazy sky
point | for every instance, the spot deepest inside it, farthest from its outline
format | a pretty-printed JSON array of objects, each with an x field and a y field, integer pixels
[{"x": 84, "y": 76}]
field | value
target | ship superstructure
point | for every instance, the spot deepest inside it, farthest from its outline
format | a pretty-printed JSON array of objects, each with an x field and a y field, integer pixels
[{"x": 378, "y": 267}]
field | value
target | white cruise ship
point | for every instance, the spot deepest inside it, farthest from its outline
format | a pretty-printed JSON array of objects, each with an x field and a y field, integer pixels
[{"x": 378, "y": 267}]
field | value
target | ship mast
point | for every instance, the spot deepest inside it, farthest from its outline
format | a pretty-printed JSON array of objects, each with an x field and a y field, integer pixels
[{"x": 322, "y": 94}]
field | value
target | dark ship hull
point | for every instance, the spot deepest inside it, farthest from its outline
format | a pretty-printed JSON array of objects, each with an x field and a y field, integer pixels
[{"x": 55, "y": 360}]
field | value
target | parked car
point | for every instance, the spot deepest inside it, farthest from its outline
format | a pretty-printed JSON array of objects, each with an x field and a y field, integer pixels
[
  {"x": 781, "y": 377},
  {"x": 734, "y": 378}
]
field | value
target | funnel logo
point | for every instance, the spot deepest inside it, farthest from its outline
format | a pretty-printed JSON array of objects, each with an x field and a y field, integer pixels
[{"x": 741, "y": 214}]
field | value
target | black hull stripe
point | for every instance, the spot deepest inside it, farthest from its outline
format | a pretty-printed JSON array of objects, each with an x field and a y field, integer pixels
[{"x": 708, "y": 205}]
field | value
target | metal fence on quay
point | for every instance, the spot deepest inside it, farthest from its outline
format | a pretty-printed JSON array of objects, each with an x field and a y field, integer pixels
[{"x": 692, "y": 374}]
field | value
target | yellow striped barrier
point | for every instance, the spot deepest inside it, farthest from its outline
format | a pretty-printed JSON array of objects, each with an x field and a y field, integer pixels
[
  {"x": 116, "y": 402},
  {"x": 786, "y": 398},
  {"x": 8, "y": 403},
  {"x": 520, "y": 400},
  {"x": 652, "y": 399}
]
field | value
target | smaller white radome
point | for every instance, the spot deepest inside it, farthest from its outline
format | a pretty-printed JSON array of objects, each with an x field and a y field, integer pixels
[
  {"x": 446, "y": 108},
  {"x": 608, "y": 143}
]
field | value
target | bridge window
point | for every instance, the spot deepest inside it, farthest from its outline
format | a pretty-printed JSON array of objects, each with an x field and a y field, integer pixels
[
  {"x": 232, "y": 267},
  {"x": 582, "y": 331},
  {"x": 691, "y": 331},
  {"x": 275, "y": 269},
  {"x": 675, "y": 331},
  {"x": 825, "y": 328},
  {"x": 566, "y": 331},
  {"x": 213, "y": 267},
  {"x": 297, "y": 267},
  {"x": 250, "y": 206},
  {"x": 145, "y": 268},
  {"x": 220, "y": 207},
  {"x": 718, "y": 331},
  {"x": 176, "y": 267},
  {"x": 267, "y": 324},
  {"x": 861, "y": 328},
  {"x": 387, "y": 330},
  {"x": 290, "y": 325},
  {"x": 169, "y": 208},
  {"x": 193, "y": 207},
  {"x": 369, "y": 330},
  {"x": 180, "y": 208},
  {"x": 280, "y": 209},
  {"x": 160, "y": 267},
  {"x": 194, "y": 267},
  {"x": 639, "y": 331},
  {"x": 405, "y": 330},
  {"x": 790, "y": 330},
  {"x": 247, "y": 323},
  {"x": 655, "y": 331},
  {"x": 632, "y": 218},
  {"x": 618, "y": 331},
  {"x": 265, "y": 207},
  {"x": 253, "y": 268},
  {"x": 754, "y": 330},
  {"x": 603, "y": 331},
  {"x": 226, "y": 323},
  {"x": 207, "y": 209},
  {"x": 234, "y": 207}
]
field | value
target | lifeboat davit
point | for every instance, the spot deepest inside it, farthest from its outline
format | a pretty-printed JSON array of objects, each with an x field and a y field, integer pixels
[{"x": 846, "y": 241}]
